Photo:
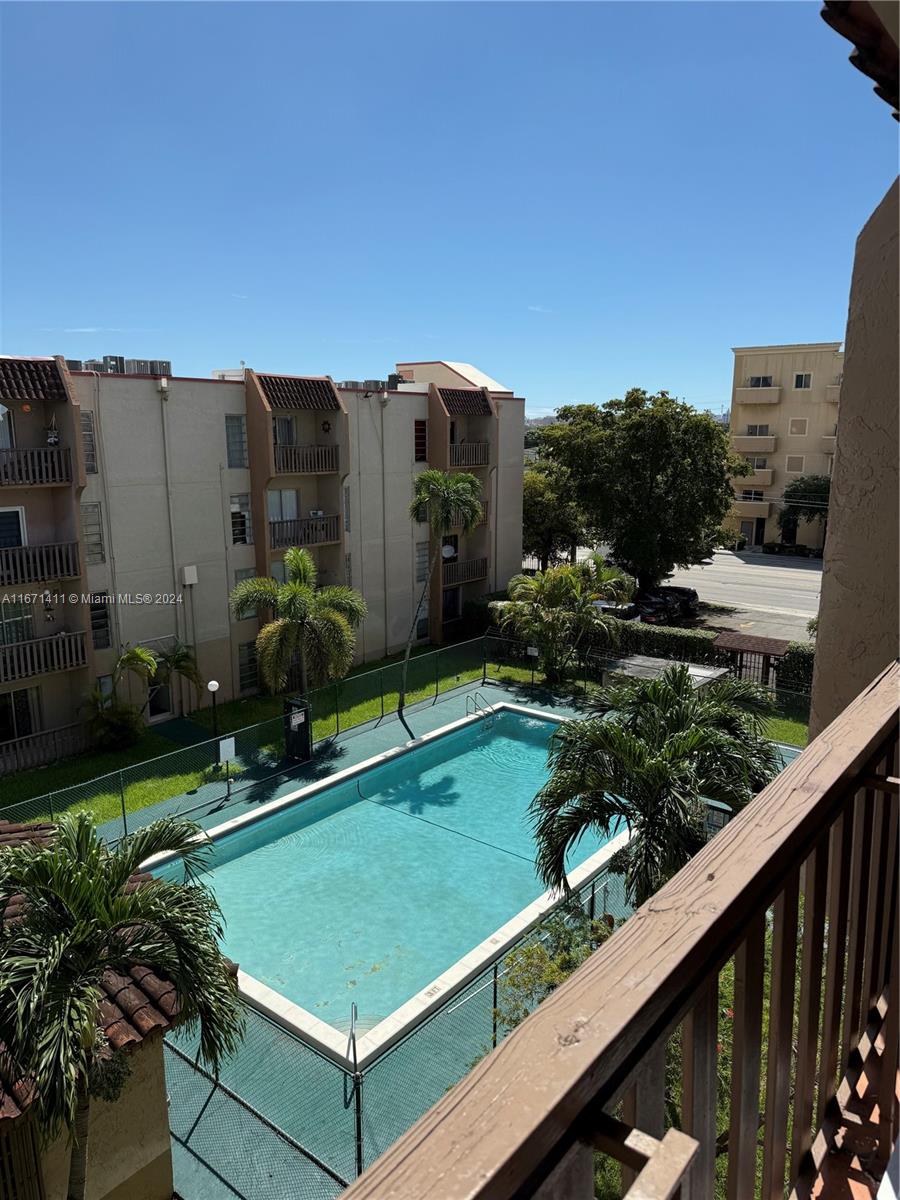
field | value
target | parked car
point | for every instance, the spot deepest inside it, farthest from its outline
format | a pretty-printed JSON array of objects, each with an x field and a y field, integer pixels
[
  {"x": 624, "y": 612},
  {"x": 666, "y": 604},
  {"x": 785, "y": 548},
  {"x": 687, "y": 598}
]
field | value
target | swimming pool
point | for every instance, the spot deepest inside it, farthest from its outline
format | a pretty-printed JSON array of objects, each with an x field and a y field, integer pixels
[{"x": 372, "y": 888}]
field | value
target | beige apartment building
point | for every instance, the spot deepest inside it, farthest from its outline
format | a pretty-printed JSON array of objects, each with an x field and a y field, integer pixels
[
  {"x": 130, "y": 505},
  {"x": 784, "y": 411}
]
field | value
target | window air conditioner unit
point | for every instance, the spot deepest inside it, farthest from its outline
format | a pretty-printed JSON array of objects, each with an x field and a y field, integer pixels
[{"x": 317, "y": 512}]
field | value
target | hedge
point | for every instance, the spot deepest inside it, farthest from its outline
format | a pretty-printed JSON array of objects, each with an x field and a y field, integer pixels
[
  {"x": 794, "y": 670},
  {"x": 477, "y": 618},
  {"x": 664, "y": 641}
]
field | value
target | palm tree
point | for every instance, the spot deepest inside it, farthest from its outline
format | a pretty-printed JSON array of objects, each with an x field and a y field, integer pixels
[
  {"x": 312, "y": 626},
  {"x": 112, "y": 723},
  {"x": 134, "y": 660},
  {"x": 555, "y": 610},
  {"x": 605, "y": 581},
  {"x": 178, "y": 660},
  {"x": 452, "y": 502},
  {"x": 80, "y": 920},
  {"x": 651, "y": 755}
]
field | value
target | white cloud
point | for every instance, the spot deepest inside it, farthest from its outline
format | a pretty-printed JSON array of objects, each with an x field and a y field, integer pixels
[
  {"x": 539, "y": 308},
  {"x": 239, "y": 296},
  {"x": 96, "y": 329}
]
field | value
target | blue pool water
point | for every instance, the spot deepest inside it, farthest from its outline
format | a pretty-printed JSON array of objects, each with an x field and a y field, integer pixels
[{"x": 370, "y": 890}]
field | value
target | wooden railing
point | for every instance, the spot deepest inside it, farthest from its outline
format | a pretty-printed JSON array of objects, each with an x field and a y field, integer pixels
[
  {"x": 49, "y": 745},
  {"x": 35, "y": 465},
  {"x": 464, "y": 571},
  {"x": 306, "y": 460},
  {"x": 309, "y": 531},
  {"x": 41, "y": 656},
  {"x": 773, "y": 954},
  {"x": 470, "y": 454},
  {"x": 36, "y": 564}
]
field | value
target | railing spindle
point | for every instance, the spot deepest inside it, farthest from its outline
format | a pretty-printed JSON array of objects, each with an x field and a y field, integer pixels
[
  {"x": 859, "y": 887},
  {"x": 815, "y": 884},
  {"x": 749, "y": 974},
  {"x": 698, "y": 1074},
  {"x": 838, "y": 891},
  {"x": 781, "y": 1029}
]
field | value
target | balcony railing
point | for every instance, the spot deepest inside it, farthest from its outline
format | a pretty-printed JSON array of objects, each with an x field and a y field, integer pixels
[
  {"x": 308, "y": 531},
  {"x": 760, "y": 477},
  {"x": 800, "y": 892},
  {"x": 38, "y": 564},
  {"x": 758, "y": 395},
  {"x": 752, "y": 508},
  {"x": 470, "y": 454},
  {"x": 464, "y": 571},
  {"x": 42, "y": 656},
  {"x": 38, "y": 466},
  {"x": 306, "y": 460},
  {"x": 746, "y": 443},
  {"x": 49, "y": 745},
  {"x": 833, "y": 392}
]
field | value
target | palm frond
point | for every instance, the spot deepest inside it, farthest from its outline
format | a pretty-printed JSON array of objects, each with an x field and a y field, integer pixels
[
  {"x": 276, "y": 644},
  {"x": 300, "y": 567},
  {"x": 253, "y": 594}
]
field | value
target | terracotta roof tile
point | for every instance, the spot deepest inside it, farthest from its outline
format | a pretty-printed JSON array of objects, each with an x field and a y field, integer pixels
[
  {"x": 749, "y": 644},
  {"x": 29, "y": 379},
  {"x": 461, "y": 402},
  {"x": 134, "y": 1006},
  {"x": 874, "y": 53},
  {"x": 293, "y": 391}
]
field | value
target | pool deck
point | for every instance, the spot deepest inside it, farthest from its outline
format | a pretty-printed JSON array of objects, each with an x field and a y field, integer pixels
[{"x": 347, "y": 750}]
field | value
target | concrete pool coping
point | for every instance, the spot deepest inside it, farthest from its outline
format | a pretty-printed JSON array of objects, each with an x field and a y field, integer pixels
[{"x": 325, "y": 1038}]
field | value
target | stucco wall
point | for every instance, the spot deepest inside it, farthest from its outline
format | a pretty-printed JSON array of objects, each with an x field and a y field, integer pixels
[
  {"x": 858, "y": 614},
  {"x": 129, "y": 1150}
]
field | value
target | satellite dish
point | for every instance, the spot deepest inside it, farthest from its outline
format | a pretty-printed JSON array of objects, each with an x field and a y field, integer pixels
[{"x": 448, "y": 552}]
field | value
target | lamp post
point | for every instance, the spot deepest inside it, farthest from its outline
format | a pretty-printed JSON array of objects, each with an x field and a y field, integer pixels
[{"x": 212, "y": 687}]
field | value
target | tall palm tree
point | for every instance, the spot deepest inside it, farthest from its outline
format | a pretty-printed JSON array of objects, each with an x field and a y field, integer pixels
[
  {"x": 80, "y": 920},
  {"x": 555, "y": 611},
  {"x": 651, "y": 755},
  {"x": 452, "y": 501},
  {"x": 310, "y": 625}
]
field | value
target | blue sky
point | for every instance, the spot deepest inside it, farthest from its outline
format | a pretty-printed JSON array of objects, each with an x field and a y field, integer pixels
[{"x": 578, "y": 198}]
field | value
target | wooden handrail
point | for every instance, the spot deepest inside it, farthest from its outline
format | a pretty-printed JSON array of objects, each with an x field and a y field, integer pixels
[
  {"x": 305, "y": 531},
  {"x": 464, "y": 571},
  {"x": 35, "y": 466},
  {"x": 538, "y": 1097},
  {"x": 470, "y": 454},
  {"x": 46, "y": 745}
]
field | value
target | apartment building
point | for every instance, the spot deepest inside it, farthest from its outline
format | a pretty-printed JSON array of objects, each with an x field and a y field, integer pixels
[
  {"x": 130, "y": 505},
  {"x": 784, "y": 411}
]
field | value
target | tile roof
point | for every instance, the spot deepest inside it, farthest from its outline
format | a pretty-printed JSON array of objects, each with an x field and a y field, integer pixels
[
  {"x": 461, "y": 402},
  {"x": 134, "y": 1006},
  {"x": 293, "y": 391},
  {"x": 874, "y": 53},
  {"x": 750, "y": 644},
  {"x": 26, "y": 379}
]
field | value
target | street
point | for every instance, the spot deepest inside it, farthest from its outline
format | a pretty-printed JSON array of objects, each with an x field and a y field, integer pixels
[{"x": 772, "y": 596}]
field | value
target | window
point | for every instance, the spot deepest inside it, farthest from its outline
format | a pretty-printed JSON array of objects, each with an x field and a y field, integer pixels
[
  {"x": 236, "y": 439},
  {"x": 241, "y": 530},
  {"x": 802, "y": 382},
  {"x": 88, "y": 442},
  {"x": 246, "y": 573},
  {"x": 757, "y": 431},
  {"x": 7, "y": 441},
  {"x": 794, "y": 464},
  {"x": 283, "y": 430},
  {"x": 105, "y": 686},
  {"x": 92, "y": 526},
  {"x": 16, "y": 622},
  {"x": 798, "y": 426},
  {"x": 421, "y": 562},
  {"x": 20, "y": 713},
  {"x": 759, "y": 462},
  {"x": 248, "y": 676},
  {"x": 12, "y": 527},
  {"x": 346, "y": 510},
  {"x": 451, "y": 542},
  {"x": 100, "y": 634},
  {"x": 283, "y": 504},
  {"x": 421, "y": 441},
  {"x": 751, "y": 494},
  {"x": 760, "y": 381}
]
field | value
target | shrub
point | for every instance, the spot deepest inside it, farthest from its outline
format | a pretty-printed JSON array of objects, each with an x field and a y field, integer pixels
[
  {"x": 477, "y": 617},
  {"x": 730, "y": 540},
  {"x": 794, "y": 670},
  {"x": 664, "y": 641},
  {"x": 114, "y": 726}
]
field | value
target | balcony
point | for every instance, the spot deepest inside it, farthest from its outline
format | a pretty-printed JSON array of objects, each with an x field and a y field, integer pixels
[
  {"x": 50, "y": 745},
  {"x": 42, "y": 656},
  {"x": 833, "y": 393},
  {"x": 794, "y": 892},
  {"x": 470, "y": 454},
  {"x": 464, "y": 571},
  {"x": 456, "y": 520},
  {"x": 827, "y": 443},
  {"x": 747, "y": 444},
  {"x": 752, "y": 508},
  {"x": 38, "y": 564},
  {"x": 761, "y": 477},
  {"x": 36, "y": 466},
  {"x": 305, "y": 531},
  {"x": 757, "y": 395},
  {"x": 306, "y": 460}
]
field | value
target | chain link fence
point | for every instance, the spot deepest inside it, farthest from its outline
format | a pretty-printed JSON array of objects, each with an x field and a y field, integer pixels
[{"x": 282, "y": 1116}]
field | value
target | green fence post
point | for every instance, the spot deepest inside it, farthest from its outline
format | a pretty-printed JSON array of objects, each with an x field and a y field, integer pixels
[
  {"x": 381, "y": 685},
  {"x": 360, "y": 1156},
  {"x": 122, "y": 796},
  {"x": 50, "y": 803},
  {"x": 337, "y": 709},
  {"x": 494, "y": 1009},
  {"x": 483, "y": 659},
  {"x": 437, "y": 674}
]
